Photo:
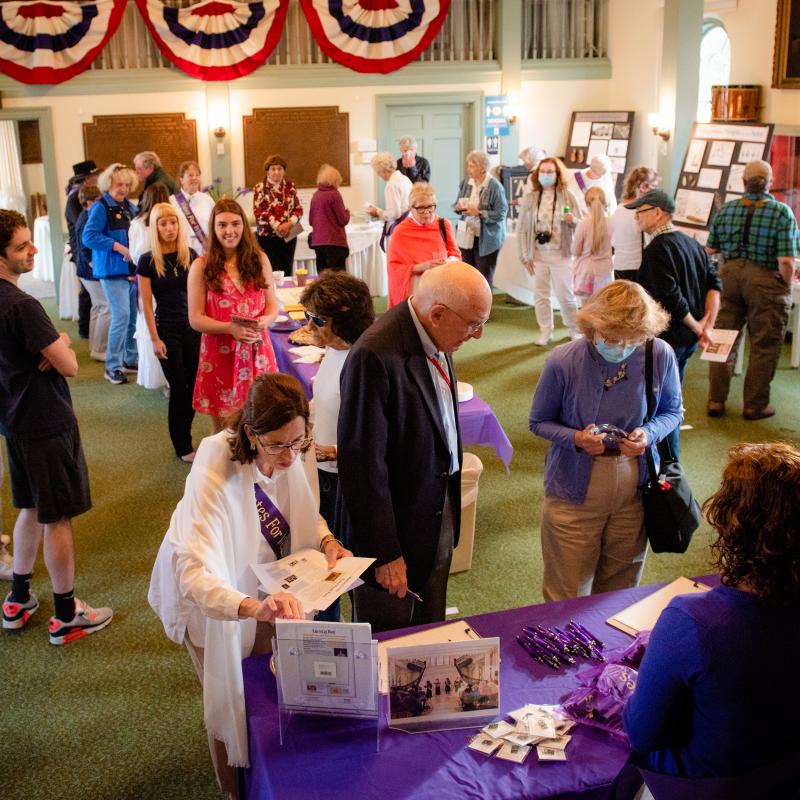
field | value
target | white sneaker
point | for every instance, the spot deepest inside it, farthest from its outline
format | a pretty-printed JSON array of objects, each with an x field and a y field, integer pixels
[
  {"x": 543, "y": 339},
  {"x": 87, "y": 620}
]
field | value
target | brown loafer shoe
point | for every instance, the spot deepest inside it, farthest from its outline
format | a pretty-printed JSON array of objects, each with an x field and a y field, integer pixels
[
  {"x": 752, "y": 413},
  {"x": 715, "y": 409}
]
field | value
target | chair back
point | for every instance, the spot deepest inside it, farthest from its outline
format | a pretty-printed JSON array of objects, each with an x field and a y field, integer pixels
[{"x": 777, "y": 781}]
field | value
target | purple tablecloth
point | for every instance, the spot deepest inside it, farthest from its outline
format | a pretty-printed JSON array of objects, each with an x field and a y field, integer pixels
[
  {"x": 321, "y": 763},
  {"x": 479, "y": 425}
]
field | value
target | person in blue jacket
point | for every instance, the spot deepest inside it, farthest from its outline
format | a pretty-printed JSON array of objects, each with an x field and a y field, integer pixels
[
  {"x": 106, "y": 235},
  {"x": 721, "y": 666}
]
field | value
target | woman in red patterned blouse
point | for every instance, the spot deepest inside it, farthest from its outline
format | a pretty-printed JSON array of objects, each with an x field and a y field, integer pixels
[{"x": 277, "y": 210}]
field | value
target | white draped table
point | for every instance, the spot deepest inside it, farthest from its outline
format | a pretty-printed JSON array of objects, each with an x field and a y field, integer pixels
[{"x": 43, "y": 260}]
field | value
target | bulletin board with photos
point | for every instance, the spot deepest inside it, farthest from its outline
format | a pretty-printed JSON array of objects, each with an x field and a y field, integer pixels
[
  {"x": 600, "y": 132},
  {"x": 713, "y": 169}
]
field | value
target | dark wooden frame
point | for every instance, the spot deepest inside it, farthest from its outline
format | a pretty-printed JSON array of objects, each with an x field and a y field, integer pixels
[{"x": 786, "y": 58}]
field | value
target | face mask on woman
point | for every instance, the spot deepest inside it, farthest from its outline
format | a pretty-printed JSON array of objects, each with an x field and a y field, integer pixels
[
  {"x": 613, "y": 352},
  {"x": 547, "y": 179}
]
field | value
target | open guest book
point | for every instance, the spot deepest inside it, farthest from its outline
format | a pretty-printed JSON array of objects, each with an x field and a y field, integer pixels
[{"x": 642, "y": 616}]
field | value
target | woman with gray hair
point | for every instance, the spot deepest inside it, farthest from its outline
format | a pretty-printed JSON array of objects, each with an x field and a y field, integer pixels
[
  {"x": 416, "y": 168},
  {"x": 395, "y": 192},
  {"x": 598, "y": 173},
  {"x": 530, "y": 158},
  {"x": 483, "y": 207},
  {"x": 591, "y": 405}
]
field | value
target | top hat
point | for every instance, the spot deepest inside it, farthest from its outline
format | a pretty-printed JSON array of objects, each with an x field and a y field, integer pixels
[{"x": 83, "y": 170}]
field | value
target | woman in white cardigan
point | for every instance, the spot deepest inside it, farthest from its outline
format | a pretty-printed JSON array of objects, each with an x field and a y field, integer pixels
[{"x": 248, "y": 499}]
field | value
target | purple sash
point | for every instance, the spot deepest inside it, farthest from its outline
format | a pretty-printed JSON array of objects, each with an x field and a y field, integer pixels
[
  {"x": 184, "y": 206},
  {"x": 274, "y": 527},
  {"x": 580, "y": 181}
]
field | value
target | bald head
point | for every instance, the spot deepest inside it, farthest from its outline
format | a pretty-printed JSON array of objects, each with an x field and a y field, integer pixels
[{"x": 452, "y": 302}]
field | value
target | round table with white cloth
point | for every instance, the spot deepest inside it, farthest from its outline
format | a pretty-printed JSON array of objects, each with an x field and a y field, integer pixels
[
  {"x": 43, "y": 260},
  {"x": 366, "y": 260}
]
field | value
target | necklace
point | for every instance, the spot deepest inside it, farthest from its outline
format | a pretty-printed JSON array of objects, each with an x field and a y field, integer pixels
[{"x": 620, "y": 376}]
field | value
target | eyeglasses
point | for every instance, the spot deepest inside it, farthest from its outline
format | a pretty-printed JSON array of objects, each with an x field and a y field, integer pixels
[
  {"x": 318, "y": 321},
  {"x": 299, "y": 446},
  {"x": 423, "y": 209},
  {"x": 643, "y": 210},
  {"x": 472, "y": 327}
]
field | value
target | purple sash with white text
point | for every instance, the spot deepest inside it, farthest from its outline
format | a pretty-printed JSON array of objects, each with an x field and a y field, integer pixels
[
  {"x": 184, "y": 206},
  {"x": 274, "y": 527}
]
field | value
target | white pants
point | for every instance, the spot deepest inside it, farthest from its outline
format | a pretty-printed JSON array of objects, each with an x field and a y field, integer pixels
[
  {"x": 551, "y": 267},
  {"x": 99, "y": 318}
]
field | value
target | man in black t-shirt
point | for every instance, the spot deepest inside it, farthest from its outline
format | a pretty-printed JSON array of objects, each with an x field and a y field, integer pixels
[{"x": 49, "y": 479}]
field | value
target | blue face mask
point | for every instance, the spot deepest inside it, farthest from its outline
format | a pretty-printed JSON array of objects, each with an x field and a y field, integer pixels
[
  {"x": 614, "y": 353},
  {"x": 547, "y": 179}
]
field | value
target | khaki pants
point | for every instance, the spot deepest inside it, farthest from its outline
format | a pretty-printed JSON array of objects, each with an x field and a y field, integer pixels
[
  {"x": 226, "y": 775},
  {"x": 600, "y": 545},
  {"x": 757, "y": 296}
]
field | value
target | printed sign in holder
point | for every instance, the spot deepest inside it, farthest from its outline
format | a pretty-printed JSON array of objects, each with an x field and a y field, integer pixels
[{"x": 321, "y": 675}]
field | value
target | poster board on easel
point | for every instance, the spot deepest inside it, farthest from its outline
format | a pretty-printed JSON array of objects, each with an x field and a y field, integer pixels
[
  {"x": 593, "y": 132},
  {"x": 712, "y": 171}
]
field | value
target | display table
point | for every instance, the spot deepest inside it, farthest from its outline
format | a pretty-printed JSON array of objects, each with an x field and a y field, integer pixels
[
  {"x": 43, "y": 260},
  {"x": 479, "y": 425},
  {"x": 320, "y": 762},
  {"x": 366, "y": 260},
  {"x": 510, "y": 276}
]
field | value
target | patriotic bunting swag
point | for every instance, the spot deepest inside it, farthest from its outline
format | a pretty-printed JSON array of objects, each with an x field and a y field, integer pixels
[
  {"x": 216, "y": 41},
  {"x": 47, "y": 42},
  {"x": 374, "y": 35}
]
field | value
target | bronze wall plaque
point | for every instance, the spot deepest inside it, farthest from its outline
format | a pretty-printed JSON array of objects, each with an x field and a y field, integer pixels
[
  {"x": 119, "y": 137},
  {"x": 30, "y": 144},
  {"x": 306, "y": 137}
]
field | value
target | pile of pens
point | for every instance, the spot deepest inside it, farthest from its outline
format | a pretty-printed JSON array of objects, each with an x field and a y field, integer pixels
[{"x": 556, "y": 647}]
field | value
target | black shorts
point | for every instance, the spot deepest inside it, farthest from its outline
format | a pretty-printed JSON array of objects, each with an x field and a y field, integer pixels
[{"x": 50, "y": 475}]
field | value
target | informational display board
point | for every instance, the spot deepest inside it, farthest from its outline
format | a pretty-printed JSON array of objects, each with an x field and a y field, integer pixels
[
  {"x": 594, "y": 132},
  {"x": 514, "y": 179},
  {"x": 713, "y": 168}
]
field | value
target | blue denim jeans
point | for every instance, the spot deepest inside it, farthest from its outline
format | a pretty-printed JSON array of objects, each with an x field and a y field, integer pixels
[
  {"x": 682, "y": 354},
  {"x": 121, "y": 296}
]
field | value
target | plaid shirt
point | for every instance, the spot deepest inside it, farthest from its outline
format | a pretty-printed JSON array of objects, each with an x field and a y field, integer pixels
[{"x": 773, "y": 230}]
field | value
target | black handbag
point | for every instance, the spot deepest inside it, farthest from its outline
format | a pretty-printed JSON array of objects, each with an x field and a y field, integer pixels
[{"x": 671, "y": 514}]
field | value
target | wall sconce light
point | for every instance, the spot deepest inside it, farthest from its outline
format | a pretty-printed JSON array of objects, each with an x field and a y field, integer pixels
[
  {"x": 658, "y": 125},
  {"x": 219, "y": 132}
]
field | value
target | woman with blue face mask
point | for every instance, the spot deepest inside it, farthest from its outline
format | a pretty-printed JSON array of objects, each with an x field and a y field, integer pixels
[
  {"x": 590, "y": 404},
  {"x": 547, "y": 219}
]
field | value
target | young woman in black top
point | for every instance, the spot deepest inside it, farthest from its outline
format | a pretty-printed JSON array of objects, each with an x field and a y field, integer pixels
[{"x": 162, "y": 274}]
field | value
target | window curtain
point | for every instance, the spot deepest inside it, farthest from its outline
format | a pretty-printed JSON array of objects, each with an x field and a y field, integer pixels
[{"x": 12, "y": 192}]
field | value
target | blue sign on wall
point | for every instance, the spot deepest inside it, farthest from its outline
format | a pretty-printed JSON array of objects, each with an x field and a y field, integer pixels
[{"x": 496, "y": 115}]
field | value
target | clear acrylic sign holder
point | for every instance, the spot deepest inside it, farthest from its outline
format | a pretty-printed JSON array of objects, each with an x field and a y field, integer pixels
[{"x": 322, "y": 679}]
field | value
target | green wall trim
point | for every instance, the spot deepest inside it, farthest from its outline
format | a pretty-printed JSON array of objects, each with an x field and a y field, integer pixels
[
  {"x": 566, "y": 69},
  {"x": 52, "y": 190}
]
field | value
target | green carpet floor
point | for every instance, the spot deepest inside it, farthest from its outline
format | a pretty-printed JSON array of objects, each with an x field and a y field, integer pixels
[{"x": 119, "y": 715}]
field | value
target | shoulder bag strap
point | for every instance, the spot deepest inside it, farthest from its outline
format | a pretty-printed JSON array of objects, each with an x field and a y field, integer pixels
[
  {"x": 442, "y": 231},
  {"x": 651, "y": 404}
]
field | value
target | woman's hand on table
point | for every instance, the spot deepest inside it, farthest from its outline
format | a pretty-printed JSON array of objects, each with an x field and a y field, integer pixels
[
  {"x": 325, "y": 452},
  {"x": 244, "y": 333},
  {"x": 592, "y": 443},
  {"x": 334, "y": 550},
  {"x": 159, "y": 348},
  {"x": 635, "y": 444},
  {"x": 283, "y": 605}
]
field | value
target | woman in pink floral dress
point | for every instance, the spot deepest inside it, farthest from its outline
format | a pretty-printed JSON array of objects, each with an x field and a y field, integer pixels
[{"x": 232, "y": 302}]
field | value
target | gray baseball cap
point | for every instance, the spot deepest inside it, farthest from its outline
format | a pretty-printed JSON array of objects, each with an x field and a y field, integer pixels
[{"x": 658, "y": 198}]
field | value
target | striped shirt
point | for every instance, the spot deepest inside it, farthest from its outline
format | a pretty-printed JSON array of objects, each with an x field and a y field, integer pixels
[{"x": 773, "y": 230}]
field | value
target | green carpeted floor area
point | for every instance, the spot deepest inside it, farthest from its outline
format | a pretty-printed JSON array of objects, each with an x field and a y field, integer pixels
[{"x": 119, "y": 715}]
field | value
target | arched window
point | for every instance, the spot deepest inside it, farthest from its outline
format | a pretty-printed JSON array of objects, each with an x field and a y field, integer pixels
[{"x": 715, "y": 65}]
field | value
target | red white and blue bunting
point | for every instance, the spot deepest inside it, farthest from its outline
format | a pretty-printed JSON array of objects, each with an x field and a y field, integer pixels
[
  {"x": 374, "y": 35},
  {"x": 214, "y": 40},
  {"x": 51, "y": 42}
]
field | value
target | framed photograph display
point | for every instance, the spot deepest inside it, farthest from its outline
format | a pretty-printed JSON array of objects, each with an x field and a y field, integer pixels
[
  {"x": 786, "y": 55},
  {"x": 514, "y": 179},
  {"x": 444, "y": 686},
  {"x": 594, "y": 132},
  {"x": 712, "y": 171}
]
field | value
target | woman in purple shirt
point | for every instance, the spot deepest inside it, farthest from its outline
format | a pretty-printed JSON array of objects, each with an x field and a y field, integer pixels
[
  {"x": 593, "y": 537},
  {"x": 328, "y": 218}
]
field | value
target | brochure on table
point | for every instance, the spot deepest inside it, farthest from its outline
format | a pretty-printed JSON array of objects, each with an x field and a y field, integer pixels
[
  {"x": 444, "y": 686},
  {"x": 713, "y": 169},
  {"x": 306, "y": 575},
  {"x": 595, "y": 132}
]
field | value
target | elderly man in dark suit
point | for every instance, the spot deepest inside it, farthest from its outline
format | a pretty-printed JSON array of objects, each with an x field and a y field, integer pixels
[{"x": 399, "y": 445}]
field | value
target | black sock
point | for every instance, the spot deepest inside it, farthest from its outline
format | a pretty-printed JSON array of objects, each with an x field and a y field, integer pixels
[
  {"x": 65, "y": 605},
  {"x": 21, "y": 587}
]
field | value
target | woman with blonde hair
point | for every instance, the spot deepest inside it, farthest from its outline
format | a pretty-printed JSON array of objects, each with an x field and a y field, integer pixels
[
  {"x": 162, "y": 275},
  {"x": 593, "y": 268},
  {"x": 421, "y": 241},
  {"x": 328, "y": 218},
  {"x": 590, "y": 404},
  {"x": 627, "y": 237},
  {"x": 232, "y": 302},
  {"x": 545, "y": 228}
]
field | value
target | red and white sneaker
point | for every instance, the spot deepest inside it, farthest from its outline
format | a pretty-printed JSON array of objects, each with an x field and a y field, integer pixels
[
  {"x": 87, "y": 620},
  {"x": 16, "y": 615}
]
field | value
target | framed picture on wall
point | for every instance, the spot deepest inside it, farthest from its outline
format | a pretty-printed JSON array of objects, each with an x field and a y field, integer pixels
[{"x": 786, "y": 56}]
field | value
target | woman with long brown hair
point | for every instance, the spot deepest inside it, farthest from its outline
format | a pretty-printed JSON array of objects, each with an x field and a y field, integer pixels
[
  {"x": 722, "y": 664},
  {"x": 232, "y": 303}
]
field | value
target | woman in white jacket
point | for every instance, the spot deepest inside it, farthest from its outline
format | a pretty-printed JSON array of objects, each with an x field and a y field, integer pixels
[{"x": 248, "y": 499}]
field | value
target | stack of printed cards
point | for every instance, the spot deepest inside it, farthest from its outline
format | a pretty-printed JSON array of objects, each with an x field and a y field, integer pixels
[{"x": 539, "y": 725}]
